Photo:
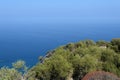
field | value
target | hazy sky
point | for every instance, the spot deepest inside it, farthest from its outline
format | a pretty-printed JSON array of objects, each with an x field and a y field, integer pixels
[{"x": 60, "y": 11}]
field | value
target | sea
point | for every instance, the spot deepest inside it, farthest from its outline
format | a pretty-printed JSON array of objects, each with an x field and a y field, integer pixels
[{"x": 29, "y": 41}]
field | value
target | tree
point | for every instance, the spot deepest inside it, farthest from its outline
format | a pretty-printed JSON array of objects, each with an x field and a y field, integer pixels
[
  {"x": 69, "y": 61},
  {"x": 9, "y": 74},
  {"x": 116, "y": 44},
  {"x": 102, "y": 43},
  {"x": 54, "y": 68},
  {"x": 20, "y": 66}
]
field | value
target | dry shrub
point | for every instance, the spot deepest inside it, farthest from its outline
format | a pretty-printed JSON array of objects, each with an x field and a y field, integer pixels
[{"x": 100, "y": 75}]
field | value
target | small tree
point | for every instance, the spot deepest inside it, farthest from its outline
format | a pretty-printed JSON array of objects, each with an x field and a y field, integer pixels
[
  {"x": 21, "y": 67},
  {"x": 9, "y": 74}
]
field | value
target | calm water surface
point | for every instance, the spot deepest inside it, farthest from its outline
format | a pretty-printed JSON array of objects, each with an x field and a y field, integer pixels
[{"x": 29, "y": 41}]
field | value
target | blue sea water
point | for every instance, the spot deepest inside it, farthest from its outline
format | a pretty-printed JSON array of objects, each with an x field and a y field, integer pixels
[{"x": 29, "y": 41}]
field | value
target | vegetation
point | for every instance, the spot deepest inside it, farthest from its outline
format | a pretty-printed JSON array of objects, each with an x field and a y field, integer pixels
[
  {"x": 18, "y": 72},
  {"x": 73, "y": 60},
  {"x": 100, "y": 75}
]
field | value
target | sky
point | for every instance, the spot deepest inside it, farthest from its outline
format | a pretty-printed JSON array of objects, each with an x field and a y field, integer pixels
[
  {"x": 36, "y": 37},
  {"x": 52, "y": 11}
]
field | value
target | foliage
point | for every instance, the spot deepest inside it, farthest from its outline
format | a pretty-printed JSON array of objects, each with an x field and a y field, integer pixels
[
  {"x": 73, "y": 60},
  {"x": 20, "y": 66},
  {"x": 18, "y": 72},
  {"x": 54, "y": 68},
  {"x": 116, "y": 44},
  {"x": 79, "y": 59},
  {"x": 9, "y": 74}
]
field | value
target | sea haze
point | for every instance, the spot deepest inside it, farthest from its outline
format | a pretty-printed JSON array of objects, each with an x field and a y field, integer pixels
[{"x": 29, "y": 41}]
